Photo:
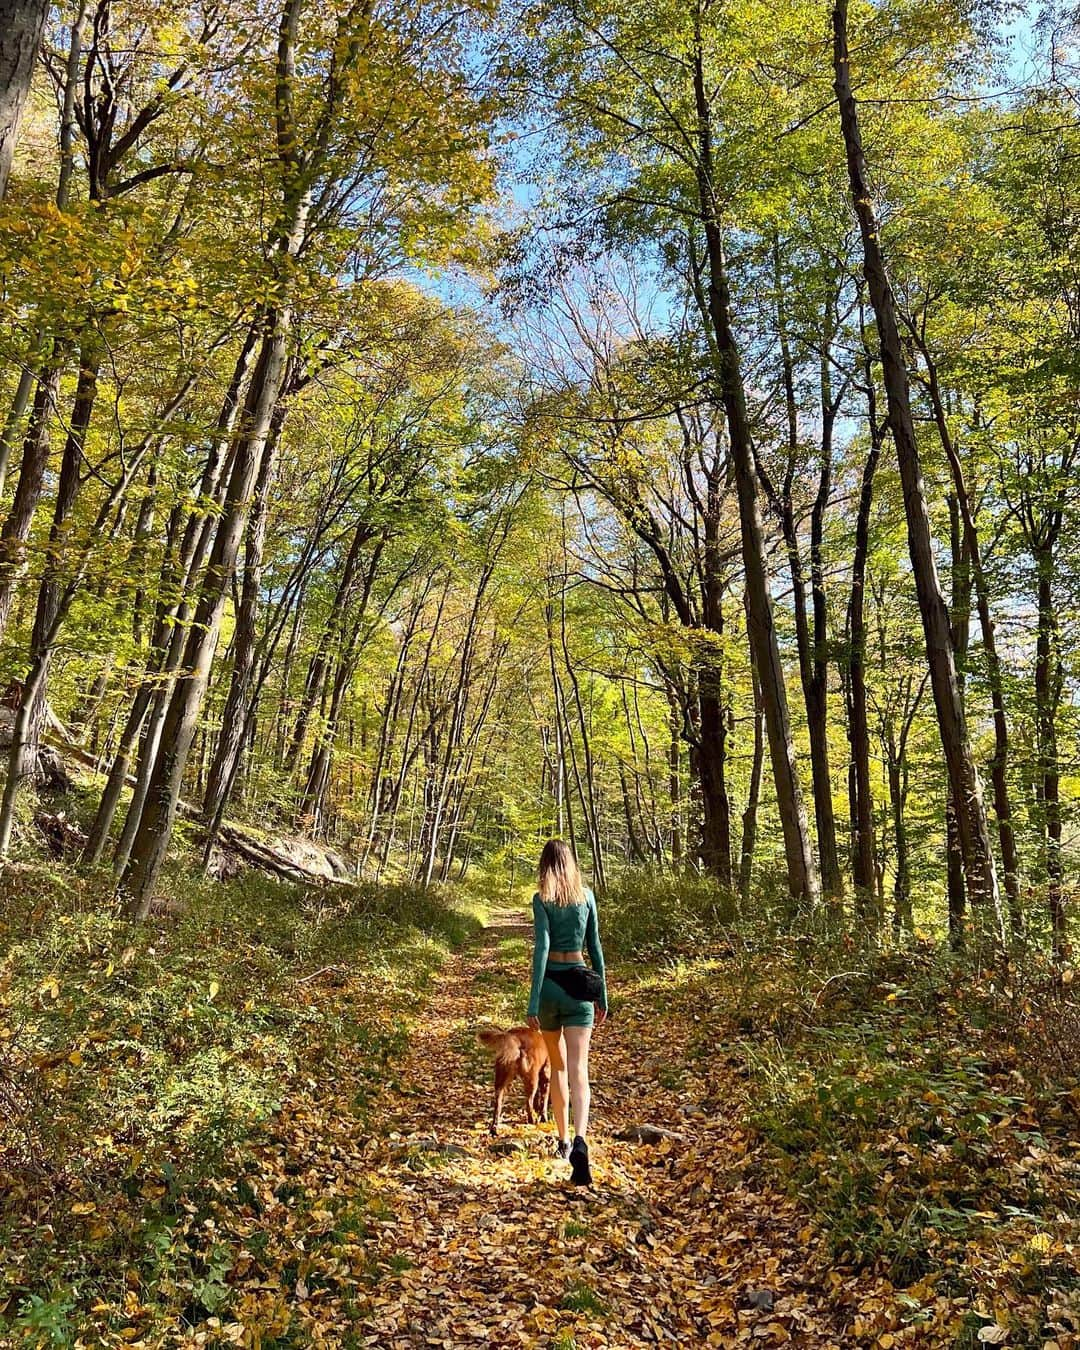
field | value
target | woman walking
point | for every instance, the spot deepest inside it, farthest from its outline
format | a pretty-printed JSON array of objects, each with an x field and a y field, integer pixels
[{"x": 567, "y": 998}]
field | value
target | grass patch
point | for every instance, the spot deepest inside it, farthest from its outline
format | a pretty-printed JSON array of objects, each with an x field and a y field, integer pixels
[{"x": 581, "y": 1298}]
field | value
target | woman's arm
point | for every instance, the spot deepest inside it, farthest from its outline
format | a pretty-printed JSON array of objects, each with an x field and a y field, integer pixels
[
  {"x": 541, "y": 947},
  {"x": 592, "y": 942}
]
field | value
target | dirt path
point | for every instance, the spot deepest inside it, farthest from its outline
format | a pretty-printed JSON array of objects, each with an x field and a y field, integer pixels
[{"x": 486, "y": 1242}]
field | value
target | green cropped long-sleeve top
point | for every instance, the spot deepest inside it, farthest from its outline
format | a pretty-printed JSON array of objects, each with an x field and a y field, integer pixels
[{"x": 564, "y": 928}]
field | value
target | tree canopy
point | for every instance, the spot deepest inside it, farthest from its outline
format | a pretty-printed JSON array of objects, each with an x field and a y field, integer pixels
[{"x": 428, "y": 429}]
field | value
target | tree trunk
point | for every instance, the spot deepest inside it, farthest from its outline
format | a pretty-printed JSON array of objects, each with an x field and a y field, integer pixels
[
  {"x": 999, "y": 765},
  {"x": 715, "y": 804},
  {"x": 902, "y": 916},
  {"x": 54, "y": 604},
  {"x": 864, "y": 868},
  {"x": 318, "y": 779},
  {"x": 234, "y": 717},
  {"x": 143, "y": 529},
  {"x": 24, "y": 504},
  {"x": 832, "y": 880},
  {"x": 810, "y": 644},
  {"x": 979, "y": 874},
  {"x": 712, "y": 705},
  {"x": 13, "y": 17},
  {"x": 586, "y": 787},
  {"x": 26, "y": 735},
  {"x": 158, "y": 815},
  {"x": 410, "y": 750},
  {"x": 321, "y": 663},
  {"x": 961, "y": 632},
  {"x": 335, "y": 648},
  {"x": 645, "y": 796},
  {"x": 562, "y": 731},
  {"x": 21, "y": 25},
  {"x": 443, "y": 768},
  {"x": 19, "y": 403},
  {"x": 179, "y": 568},
  {"x": 382, "y": 782},
  {"x": 674, "y": 762},
  {"x": 151, "y": 841},
  {"x": 634, "y": 852},
  {"x": 291, "y": 647},
  {"x": 749, "y": 816},
  {"x": 1048, "y": 687},
  {"x": 801, "y": 872}
]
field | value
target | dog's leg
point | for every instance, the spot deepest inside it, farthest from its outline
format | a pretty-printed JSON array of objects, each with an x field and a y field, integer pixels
[
  {"x": 543, "y": 1088},
  {"x": 502, "y": 1079},
  {"x": 530, "y": 1079}
]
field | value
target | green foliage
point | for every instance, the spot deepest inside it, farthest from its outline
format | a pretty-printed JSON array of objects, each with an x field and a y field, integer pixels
[
  {"x": 141, "y": 1065},
  {"x": 906, "y": 1101},
  {"x": 46, "y": 1320},
  {"x": 368, "y": 909},
  {"x": 648, "y": 914},
  {"x": 191, "y": 1030}
]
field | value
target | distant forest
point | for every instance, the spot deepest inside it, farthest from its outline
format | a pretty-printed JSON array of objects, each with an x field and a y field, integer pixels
[{"x": 426, "y": 429}]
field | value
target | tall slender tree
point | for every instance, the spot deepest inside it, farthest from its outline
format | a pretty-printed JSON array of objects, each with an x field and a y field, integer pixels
[{"x": 974, "y": 838}]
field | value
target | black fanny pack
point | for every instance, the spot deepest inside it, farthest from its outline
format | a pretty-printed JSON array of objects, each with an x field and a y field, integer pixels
[{"x": 579, "y": 982}]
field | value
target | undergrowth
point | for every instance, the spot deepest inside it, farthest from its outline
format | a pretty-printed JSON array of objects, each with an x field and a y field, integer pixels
[
  {"x": 923, "y": 1105},
  {"x": 161, "y": 1088},
  {"x": 653, "y": 915},
  {"x": 924, "y": 1109},
  {"x": 142, "y": 1068}
]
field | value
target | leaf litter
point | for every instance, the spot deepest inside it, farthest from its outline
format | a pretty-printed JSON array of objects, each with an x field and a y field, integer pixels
[{"x": 375, "y": 1210}]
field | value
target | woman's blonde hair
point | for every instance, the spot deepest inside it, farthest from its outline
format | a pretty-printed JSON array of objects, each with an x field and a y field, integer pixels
[{"x": 560, "y": 881}]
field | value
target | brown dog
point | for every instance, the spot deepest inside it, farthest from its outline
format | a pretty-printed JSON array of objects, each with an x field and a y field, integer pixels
[{"x": 520, "y": 1053}]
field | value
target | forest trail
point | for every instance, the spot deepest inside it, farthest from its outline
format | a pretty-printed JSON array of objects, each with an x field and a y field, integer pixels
[{"x": 486, "y": 1242}]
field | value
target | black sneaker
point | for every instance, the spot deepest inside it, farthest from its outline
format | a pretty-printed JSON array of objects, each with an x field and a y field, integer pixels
[
  {"x": 562, "y": 1149},
  {"x": 579, "y": 1163}
]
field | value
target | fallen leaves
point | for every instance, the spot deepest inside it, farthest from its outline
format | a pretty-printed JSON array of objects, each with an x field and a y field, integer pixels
[
  {"x": 373, "y": 1202},
  {"x": 664, "y": 1251}
]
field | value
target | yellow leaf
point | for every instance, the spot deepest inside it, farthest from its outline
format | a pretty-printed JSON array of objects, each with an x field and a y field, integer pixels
[
  {"x": 214, "y": 987},
  {"x": 75, "y": 1058}
]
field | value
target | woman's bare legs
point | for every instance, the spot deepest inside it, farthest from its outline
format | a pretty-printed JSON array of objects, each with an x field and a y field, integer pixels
[
  {"x": 577, "y": 1059},
  {"x": 560, "y": 1103}
]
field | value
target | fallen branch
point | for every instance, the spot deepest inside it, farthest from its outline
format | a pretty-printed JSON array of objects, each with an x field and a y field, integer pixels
[
  {"x": 840, "y": 975},
  {"x": 272, "y": 860},
  {"x": 232, "y": 837},
  {"x": 325, "y": 970}
]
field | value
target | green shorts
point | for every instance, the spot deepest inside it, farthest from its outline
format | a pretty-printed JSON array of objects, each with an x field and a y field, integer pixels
[{"x": 558, "y": 1009}]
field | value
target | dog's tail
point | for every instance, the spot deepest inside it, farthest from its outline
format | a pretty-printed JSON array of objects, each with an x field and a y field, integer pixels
[{"x": 504, "y": 1043}]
